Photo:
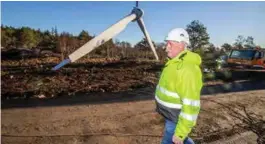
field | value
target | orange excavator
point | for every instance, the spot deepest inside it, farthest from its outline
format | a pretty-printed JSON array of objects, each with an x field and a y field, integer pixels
[{"x": 246, "y": 59}]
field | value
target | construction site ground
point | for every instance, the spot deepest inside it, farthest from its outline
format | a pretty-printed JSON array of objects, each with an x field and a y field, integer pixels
[{"x": 113, "y": 102}]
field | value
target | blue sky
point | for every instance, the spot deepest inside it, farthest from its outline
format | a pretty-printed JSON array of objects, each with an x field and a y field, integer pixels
[{"x": 224, "y": 20}]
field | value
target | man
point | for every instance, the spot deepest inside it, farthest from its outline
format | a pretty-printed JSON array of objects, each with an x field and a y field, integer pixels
[{"x": 178, "y": 91}]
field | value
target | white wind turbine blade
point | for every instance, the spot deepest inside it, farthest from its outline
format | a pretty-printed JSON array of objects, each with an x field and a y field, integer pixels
[
  {"x": 102, "y": 38},
  {"x": 142, "y": 26},
  {"x": 106, "y": 35}
]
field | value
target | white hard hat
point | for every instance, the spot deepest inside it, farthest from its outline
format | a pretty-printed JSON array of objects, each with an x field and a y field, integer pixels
[{"x": 178, "y": 34}]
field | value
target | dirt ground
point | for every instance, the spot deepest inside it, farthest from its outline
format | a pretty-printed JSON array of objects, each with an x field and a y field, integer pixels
[
  {"x": 122, "y": 122},
  {"x": 31, "y": 78},
  {"x": 112, "y": 102}
]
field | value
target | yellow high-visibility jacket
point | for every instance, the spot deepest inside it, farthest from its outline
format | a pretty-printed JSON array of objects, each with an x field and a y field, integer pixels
[{"x": 178, "y": 91}]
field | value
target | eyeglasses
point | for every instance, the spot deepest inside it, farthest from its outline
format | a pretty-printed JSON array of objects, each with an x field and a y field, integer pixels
[{"x": 169, "y": 43}]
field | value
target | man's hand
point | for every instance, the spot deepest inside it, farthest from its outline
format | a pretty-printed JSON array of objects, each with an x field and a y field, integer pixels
[{"x": 176, "y": 140}]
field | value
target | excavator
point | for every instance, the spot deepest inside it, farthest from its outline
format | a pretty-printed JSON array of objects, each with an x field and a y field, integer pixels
[{"x": 246, "y": 59}]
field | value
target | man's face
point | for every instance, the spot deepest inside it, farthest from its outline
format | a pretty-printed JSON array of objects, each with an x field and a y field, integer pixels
[{"x": 173, "y": 48}]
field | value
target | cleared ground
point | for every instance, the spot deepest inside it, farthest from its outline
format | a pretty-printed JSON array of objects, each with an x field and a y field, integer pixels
[
  {"x": 121, "y": 110},
  {"x": 121, "y": 122}
]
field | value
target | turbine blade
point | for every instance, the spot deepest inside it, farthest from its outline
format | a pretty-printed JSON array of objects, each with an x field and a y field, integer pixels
[
  {"x": 146, "y": 34},
  {"x": 102, "y": 38}
]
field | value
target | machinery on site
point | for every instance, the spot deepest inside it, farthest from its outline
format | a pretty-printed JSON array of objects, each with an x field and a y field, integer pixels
[
  {"x": 246, "y": 59},
  {"x": 135, "y": 15}
]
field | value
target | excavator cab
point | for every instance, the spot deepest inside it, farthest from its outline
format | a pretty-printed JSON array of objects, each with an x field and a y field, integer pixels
[{"x": 247, "y": 59}]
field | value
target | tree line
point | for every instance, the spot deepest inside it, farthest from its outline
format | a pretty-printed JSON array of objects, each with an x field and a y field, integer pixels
[{"x": 65, "y": 43}]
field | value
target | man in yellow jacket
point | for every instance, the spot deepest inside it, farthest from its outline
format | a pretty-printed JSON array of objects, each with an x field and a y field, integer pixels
[{"x": 178, "y": 91}]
